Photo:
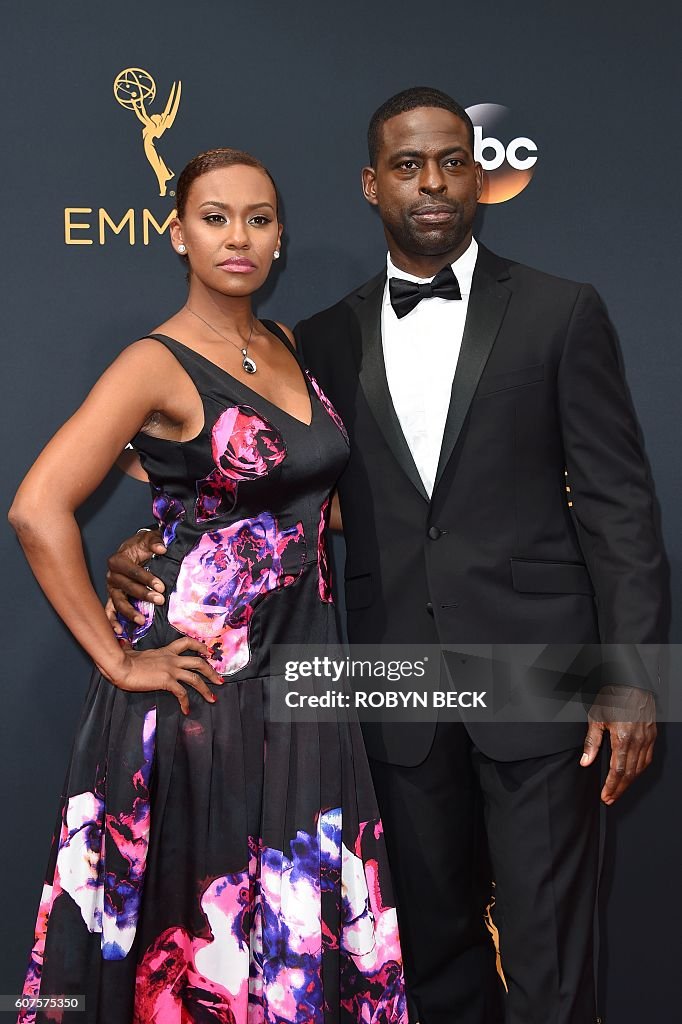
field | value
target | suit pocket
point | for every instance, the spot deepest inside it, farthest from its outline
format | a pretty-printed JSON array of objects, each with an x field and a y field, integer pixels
[
  {"x": 358, "y": 591},
  {"x": 531, "y": 577},
  {"x": 511, "y": 379}
]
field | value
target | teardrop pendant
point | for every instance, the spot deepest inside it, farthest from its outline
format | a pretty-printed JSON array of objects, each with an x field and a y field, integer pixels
[{"x": 248, "y": 364}]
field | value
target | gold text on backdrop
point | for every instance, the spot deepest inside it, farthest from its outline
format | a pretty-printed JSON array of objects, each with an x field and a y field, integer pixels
[
  {"x": 76, "y": 219},
  {"x": 134, "y": 89}
]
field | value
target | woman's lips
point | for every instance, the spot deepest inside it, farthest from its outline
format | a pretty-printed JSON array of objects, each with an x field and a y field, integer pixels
[{"x": 237, "y": 266}]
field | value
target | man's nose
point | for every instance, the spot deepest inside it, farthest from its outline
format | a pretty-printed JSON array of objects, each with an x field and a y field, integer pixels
[{"x": 432, "y": 178}]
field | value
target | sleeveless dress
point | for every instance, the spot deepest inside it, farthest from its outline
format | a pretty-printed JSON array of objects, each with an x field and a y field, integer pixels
[{"x": 224, "y": 867}]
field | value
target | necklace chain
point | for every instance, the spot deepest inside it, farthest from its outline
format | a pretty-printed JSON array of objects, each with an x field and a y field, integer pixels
[{"x": 248, "y": 364}]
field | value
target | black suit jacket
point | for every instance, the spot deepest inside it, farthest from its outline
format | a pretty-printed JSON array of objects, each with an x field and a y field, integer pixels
[{"x": 539, "y": 390}]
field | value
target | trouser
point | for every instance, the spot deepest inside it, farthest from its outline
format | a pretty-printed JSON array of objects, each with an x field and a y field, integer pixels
[{"x": 455, "y": 823}]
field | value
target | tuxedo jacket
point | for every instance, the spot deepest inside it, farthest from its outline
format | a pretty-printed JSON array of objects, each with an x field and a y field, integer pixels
[{"x": 497, "y": 555}]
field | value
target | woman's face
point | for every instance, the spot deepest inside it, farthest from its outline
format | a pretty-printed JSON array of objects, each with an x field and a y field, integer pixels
[{"x": 230, "y": 229}]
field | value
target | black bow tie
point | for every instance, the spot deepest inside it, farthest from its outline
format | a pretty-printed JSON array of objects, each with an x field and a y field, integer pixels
[{"x": 405, "y": 295}]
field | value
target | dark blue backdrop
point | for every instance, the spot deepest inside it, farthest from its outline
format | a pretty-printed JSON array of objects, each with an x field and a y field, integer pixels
[{"x": 591, "y": 84}]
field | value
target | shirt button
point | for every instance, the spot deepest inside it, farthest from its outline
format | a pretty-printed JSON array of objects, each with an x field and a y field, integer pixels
[
  {"x": 429, "y": 608},
  {"x": 434, "y": 532}
]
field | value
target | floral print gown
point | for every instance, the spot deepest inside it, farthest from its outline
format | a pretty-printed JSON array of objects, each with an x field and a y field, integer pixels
[{"x": 224, "y": 867}]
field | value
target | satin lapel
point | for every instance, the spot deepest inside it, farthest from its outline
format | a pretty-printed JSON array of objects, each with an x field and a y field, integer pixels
[
  {"x": 487, "y": 306},
  {"x": 373, "y": 378}
]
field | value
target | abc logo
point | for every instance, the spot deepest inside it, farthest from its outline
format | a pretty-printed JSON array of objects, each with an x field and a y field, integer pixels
[{"x": 507, "y": 155}]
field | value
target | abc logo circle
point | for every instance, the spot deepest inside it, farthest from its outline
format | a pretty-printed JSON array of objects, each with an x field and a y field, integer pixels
[{"x": 507, "y": 155}]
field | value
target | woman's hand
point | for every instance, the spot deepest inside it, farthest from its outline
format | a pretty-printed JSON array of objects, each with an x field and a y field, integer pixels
[{"x": 166, "y": 669}]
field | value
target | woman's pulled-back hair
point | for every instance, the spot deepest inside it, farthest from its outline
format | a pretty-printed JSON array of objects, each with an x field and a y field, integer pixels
[{"x": 209, "y": 161}]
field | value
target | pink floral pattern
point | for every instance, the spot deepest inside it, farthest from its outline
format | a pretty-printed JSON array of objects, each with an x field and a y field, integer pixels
[
  {"x": 324, "y": 579},
  {"x": 328, "y": 405},
  {"x": 245, "y": 447},
  {"x": 263, "y": 963},
  {"x": 223, "y": 578},
  {"x": 109, "y": 901}
]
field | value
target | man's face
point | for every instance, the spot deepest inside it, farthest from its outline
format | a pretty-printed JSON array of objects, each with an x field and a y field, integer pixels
[{"x": 426, "y": 184}]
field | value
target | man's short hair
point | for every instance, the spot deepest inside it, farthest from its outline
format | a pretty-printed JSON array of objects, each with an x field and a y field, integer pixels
[{"x": 410, "y": 99}]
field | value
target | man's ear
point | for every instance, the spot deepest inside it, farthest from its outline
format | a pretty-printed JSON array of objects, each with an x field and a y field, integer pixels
[
  {"x": 479, "y": 179},
  {"x": 369, "y": 185}
]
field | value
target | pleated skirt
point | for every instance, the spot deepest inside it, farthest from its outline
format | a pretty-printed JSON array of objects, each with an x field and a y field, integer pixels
[{"x": 219, "y": 868}]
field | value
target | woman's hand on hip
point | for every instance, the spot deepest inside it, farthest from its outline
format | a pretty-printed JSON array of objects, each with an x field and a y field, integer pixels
[{"x": 167, "y": 669}]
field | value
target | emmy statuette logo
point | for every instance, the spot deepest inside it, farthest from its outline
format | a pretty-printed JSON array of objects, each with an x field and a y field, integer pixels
[{"x": 133, "y": 89}]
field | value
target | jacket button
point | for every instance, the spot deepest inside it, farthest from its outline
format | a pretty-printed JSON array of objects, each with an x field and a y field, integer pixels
[
  {"x": 434, "y": 532},
  {"x": 429, "y": 608}
]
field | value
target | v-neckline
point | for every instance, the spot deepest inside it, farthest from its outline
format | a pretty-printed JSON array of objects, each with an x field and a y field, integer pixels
[{"x": 256, "y": 394}]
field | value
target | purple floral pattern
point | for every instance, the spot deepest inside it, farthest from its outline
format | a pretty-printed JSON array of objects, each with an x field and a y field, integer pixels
[
  {"x": 134, "y": 631},
  {"x": 108, "y": 900},
  {"x": 129, "y": 833},
  {"x": 245, "y": 447},
  {"x": 223, "y": 578},
  {"x": 169, "y": 512},
  {"x": 328, "y": 405},
  {"x": 263, "y": 963}
]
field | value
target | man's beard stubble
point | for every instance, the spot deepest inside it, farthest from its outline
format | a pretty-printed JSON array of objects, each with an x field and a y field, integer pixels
[{"x": 438, "y": 241}]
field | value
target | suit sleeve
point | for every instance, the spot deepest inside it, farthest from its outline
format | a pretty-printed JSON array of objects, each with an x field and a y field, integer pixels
[
  {"x": 612, "y": 493},
  {"x": 310, "y": 342},
  {"x": 299, "y": 331},
  {"x": 302, "y": 333}
]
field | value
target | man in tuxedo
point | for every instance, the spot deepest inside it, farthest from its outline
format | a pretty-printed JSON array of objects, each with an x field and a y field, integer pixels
[{"x": 470, "y": 385}]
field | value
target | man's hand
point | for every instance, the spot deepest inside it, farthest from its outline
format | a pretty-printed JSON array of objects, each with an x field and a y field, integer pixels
[
  {"x": 629, "y": 714},
  {"x": 127, "y": 578}
]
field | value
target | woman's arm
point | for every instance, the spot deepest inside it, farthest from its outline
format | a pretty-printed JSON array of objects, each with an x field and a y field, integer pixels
[
  {"x": 335, "y": 522},
  {"x": 69, "y": 469}
]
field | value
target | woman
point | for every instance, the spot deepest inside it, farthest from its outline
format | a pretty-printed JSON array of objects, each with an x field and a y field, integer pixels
[{"x": 210, "y": 863}]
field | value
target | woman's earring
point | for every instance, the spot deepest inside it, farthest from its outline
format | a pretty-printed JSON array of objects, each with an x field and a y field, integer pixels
[
  {"x": 182, "y": 248},
  {"x": 275, "y": 254}
]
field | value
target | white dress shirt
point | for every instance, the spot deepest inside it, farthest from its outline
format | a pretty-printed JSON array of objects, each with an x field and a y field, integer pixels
[{"x": 420, "y": 354}]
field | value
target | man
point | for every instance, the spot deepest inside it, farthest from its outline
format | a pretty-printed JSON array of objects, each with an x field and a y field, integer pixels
[{"x": 469, "y": 385}]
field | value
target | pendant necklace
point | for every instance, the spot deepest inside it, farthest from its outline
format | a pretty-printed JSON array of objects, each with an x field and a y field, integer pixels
[{"x": 248, "y": 364}]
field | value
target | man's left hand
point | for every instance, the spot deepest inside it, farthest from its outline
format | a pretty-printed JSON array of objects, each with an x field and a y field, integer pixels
[{"x": 629, "y": 715}]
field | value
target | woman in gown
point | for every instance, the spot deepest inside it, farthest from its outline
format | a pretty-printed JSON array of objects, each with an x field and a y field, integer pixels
[{"x": 211, "y": 862}]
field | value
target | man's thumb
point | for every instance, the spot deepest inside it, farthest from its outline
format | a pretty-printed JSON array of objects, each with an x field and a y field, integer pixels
[{"x": 592, "y": 743}]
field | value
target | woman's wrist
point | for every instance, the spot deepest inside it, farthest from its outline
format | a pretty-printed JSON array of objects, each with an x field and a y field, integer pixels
[{"x": 114, "y": 668}]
